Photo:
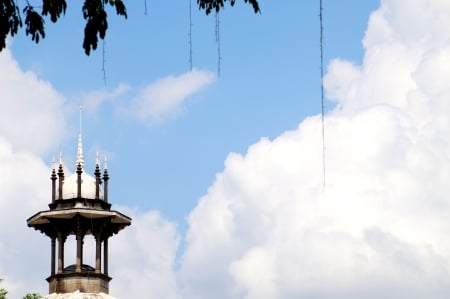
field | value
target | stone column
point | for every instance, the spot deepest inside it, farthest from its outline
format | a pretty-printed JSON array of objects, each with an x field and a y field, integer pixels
[
  {"x": 53, "y": 251},
  {"x": 82, "y": 251},
  {"x": 79, "y": 172},
  {"x": 53, "y": 178},
  {"x": 105, "y": 257},
  {"x": 60, "y": 182},
  {"x": 98, "y": 254},
  {"x": 105, "y": 183},
  {"x": 97, "y": 180},
  {"x": 61, "y": 240},
  {"x": 79, "y": 237},
  {"x": 79, "y": 251}
]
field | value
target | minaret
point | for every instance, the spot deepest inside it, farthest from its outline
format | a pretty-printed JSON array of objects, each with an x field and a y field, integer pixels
[{"x": 79, "y": 207}]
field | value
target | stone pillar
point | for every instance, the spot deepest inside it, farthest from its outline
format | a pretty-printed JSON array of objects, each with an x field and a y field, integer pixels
[
  {"x": 79, "y": 251},
  {"x": 105, "y": 257},
  {"x": 78, "y": 262},
  {"x": 61, "y": 179},
  {"x": 98, "y": 254},
  {"x": 53, "y": 178},
  {"x": 53, "y": 251},
  {"x": 82, "y": 251},
  {"x": 61, "y": 240},
  {"x": 97, "y": 180},
  {"x": 105, "y": 183},
  {"x": 79, "y": 172},
  {"x": 79, "y": 237}
]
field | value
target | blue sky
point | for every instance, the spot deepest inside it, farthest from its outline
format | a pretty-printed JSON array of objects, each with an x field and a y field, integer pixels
[
  {"x": 222, "y": 175},
  {"x": 269, "y": 82}
]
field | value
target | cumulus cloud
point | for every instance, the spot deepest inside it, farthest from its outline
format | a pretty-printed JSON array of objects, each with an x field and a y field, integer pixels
[
  {"x": 144, "y": 257},
  {"x": 23, "y": 189},
  {"x": 267, "y": 229},
  {"x": 30, "y": 108},
  {"x": 165, "y": 97},
  {"x": 31, "y": 122}
]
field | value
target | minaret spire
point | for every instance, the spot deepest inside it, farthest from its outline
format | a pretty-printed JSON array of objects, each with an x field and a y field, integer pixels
[{"x": 80, "y": 158}]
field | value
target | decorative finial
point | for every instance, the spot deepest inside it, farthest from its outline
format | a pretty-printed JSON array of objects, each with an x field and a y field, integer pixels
[
  {"x": 81, "y": 110},
  {"x": 60, "y": 176},
  {"x": 105, "y": 181},
  {"x": 98, "y": 179},
  {"x": 80, "y": 158},
  {"x": 53, "y": 176}
]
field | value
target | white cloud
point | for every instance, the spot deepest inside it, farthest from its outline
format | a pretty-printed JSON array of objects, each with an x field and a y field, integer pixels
[
  {"x": 31, "y": 122},
  {"x": 144, "y": 257},
  {"x": 265, "y": 229},
  {"x": 31, "y": 115},
  {"x": 92, "y": 100},
  {"x": 165, "y": 97},
  {"x": 24, "y": 191},
  {"x": 153, "y": 103}
]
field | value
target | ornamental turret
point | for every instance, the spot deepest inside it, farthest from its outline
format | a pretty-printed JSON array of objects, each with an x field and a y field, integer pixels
[{"x": 79, "y": 207}]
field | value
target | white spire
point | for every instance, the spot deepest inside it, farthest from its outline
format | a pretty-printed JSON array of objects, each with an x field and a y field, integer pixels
[
  {"x": 60, "y": 158},
  {"x": 97, "y": 159},
  {"x": 106, "y": 163},
  {"x": 80, "y": 158}
]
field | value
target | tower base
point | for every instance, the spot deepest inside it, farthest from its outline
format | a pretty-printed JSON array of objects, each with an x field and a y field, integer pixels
[{"x": 84, "y": 282}]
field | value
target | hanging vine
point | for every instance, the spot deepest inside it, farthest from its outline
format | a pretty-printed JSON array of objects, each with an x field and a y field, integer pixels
[
  {"x": 217, "y": 34},
  {"x": 104, "y": 62},
  {"x": 322, "y": 92},
  {"x": 190, "y": 35}
]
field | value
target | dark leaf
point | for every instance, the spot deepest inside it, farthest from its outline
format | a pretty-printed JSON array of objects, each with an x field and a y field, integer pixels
[
  {"x": 217, "y": 5},
  {"x": 10, "y": 20},
  {"x": 120, "y": 8},
  {"x": 54, "y": 7},
  {"x": 96, "y": 25},
  {"x": 34, "y": 24}
]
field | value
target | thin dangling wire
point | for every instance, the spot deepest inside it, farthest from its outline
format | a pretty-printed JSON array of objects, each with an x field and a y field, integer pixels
[
  {"x": 322, "y": 95},
  {"x": 103, "y": 53},
  {"x": 145, "y": 7},
  {"x": 219, "y": 57},
  {"x": 190, "y": 34},
  {"x": 104, "y": 62}
]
